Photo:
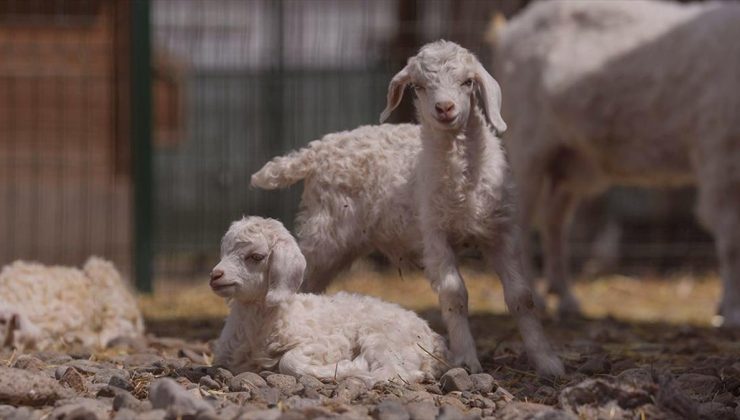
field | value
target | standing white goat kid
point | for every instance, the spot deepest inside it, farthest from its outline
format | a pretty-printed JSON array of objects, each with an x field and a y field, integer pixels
[
  {"x": 271, "y": 326},
  {"x": 419, "y": 195}
]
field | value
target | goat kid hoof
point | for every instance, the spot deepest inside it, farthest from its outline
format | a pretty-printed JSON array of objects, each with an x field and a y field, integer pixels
[
  {"x": 471, "y": 364},
  {"x": 549, "y": 366}
]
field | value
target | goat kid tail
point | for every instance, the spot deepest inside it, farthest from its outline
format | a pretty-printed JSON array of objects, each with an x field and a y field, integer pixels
[{"x": 284, "y": 171}]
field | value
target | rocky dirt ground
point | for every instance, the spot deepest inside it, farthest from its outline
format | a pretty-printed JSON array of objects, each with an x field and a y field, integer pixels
[{"x": 657, "y": 357}]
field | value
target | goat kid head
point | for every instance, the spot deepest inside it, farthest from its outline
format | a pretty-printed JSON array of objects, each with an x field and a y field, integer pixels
[
  {"x": 445, "y": 77},
  {"x": 260, "y": 262}
]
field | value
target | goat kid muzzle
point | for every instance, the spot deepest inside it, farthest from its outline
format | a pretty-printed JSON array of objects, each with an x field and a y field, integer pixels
[{"x": 218, "y": 282}]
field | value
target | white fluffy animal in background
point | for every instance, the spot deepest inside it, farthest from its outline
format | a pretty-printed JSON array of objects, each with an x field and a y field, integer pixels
[
  {"x": 45, "y": 307},
  {"x": 642, "y": 93},
  {"x": 420, "y": 194},
  {"x": 272, "y": 327}
]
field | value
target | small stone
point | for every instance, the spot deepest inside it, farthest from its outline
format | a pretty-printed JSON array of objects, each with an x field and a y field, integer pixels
[
  {"x": 230, "y": 411},
  {"x": 482, "y": 382},
  {"x": 209, "y": 383},
  {"x": 246, "y": 381},
  {"x": 194, "y": 356},
  {"x": 80, "y": 409},
  {"x": 390, "y": 410},
  {"x": 220, "y": 375},
  {"x": 596, "y": 364},
  {"x": 86, "y": 366},
  {"x": 310, "y": 382},
  {"x": 698, "y": 386},
  {"x": 297, "y": 403},
  {"x": 270, "y": 414},
  {"x": 132, "y": 343},
  {"x": 448, "y": 412},
  {"x": 143, "y": 360},
  {"x": 636, "y": 376},
  {"x": 119, "y": 381},
  {"x": 456, "y": 379},
  {"x": 103, "y": 376},
  {"x": 266, "y": 395},
  {"x": 349, "y": 389},
  {"x": 103, "y": 390},
  {"x": 59, "y": 372},
  {"x": 285, "y": 383},
  {"x": 166, "y": 394},
  {"x": 192, "y": 373},
  {"x": 433, "y": 389},
  {"x": 73, "y": 379},
  {"x": 547, "y": 395},
  {"x": 239, "y": 398},
  {"x": 716, "y": 411},
  {"x": 422, "y": 410},
  {"x": 53, "y": 357},
  {"x": 6, "y": 411},
  {"x": 311, "y": 386},
  {"x": 173, "y": 363},
  {"x": 124, "y": 400},
  {"x": 410, "y": 396},
  {"x": 31, "y": 363},
  {"x": 452, "y": 400},
  {"x": 524, "y": 410}
]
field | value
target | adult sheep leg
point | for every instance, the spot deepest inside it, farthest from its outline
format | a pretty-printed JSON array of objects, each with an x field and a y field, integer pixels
[
  {"x": 530, "y": 186},
  {"x": 719, "y": 210},
  {"x": 506, "y": 260},
  {"x": 440, "y": 266},
  {"x": 560, "y": 205}
]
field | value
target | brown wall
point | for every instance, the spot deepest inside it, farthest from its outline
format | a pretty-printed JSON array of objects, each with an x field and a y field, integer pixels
[{"x": 64, "y": 180}]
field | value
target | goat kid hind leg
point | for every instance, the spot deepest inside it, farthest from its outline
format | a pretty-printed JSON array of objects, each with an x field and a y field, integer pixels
[
  {"x": 442, "y": 271},
  {"x": 506, "y": 260}
]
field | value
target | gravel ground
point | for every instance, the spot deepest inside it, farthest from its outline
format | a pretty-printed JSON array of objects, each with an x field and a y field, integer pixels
[{"x": 615, "y": 370}]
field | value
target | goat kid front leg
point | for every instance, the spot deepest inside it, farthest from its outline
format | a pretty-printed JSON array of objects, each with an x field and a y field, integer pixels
[
  {"x": 440, "y": 266},
  {"x": 507, "y": 262}
]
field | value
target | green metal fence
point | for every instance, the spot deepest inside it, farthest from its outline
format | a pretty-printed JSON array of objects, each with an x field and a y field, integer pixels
[{"x": 130, "y": 128}]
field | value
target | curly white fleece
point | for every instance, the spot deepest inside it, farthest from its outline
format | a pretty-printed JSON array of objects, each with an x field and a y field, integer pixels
[
  {"x": 49, "y": 306},
  {"x": 344, "y": 335}
]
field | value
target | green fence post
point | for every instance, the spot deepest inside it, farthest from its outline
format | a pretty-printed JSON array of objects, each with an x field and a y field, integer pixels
[{"x": 141, "y": 143}]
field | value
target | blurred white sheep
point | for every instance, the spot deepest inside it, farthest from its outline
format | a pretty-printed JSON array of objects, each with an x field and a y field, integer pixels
[
  {"x": 45, "y": 307},
  {"x": 271, "y": 326},
  {"x": 642, "y": 93},
  {"x": 419, "y": 194}
]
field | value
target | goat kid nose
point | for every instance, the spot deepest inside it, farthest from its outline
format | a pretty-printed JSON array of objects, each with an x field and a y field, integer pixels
[
  {"x": 216, "y": 274},
  {"x": 444, "y": 107}
]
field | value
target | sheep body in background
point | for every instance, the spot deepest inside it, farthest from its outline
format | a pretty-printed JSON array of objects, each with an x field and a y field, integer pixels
[
  {"x": 272, "y": 327},
  {"x": 419, "y": 194},
  {"x": 640, "y": 93},
  {"x": 50, "y": 306}
]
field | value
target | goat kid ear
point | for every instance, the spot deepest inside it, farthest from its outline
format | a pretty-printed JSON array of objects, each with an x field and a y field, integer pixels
[
  {"x": 285, "y": 272},
  {"x": 491, "y": 94},
  {"x": 395, "y": 92}
]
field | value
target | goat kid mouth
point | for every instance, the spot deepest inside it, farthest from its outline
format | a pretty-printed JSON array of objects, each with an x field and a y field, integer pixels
[
  {"x": 446, "y": 120},
  {"x": 217, "y": 287}
]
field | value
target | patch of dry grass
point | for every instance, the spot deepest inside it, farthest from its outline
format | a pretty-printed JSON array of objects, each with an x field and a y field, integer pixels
[{"x": 677, "y": 299}]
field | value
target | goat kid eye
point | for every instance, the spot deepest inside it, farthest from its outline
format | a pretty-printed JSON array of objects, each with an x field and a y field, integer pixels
[
  {"x": 255, "y": 257},
  {"x": 468, "y": 82}
]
